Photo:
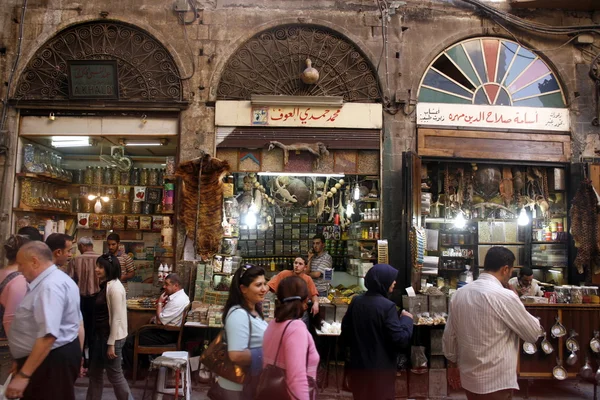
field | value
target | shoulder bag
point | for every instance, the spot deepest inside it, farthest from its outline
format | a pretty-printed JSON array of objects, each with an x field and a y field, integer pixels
[
  {"x": 272, "y": 383},
  {"x": 216, "y": 357}
]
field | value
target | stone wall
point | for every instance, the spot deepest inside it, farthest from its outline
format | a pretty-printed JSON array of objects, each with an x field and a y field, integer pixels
[{"x": 416, "y": 33}]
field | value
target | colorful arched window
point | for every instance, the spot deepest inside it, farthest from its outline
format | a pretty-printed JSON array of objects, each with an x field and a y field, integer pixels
[{"x": 491, "y": 71}]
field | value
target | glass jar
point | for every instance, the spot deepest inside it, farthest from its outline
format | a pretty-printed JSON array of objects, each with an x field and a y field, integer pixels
[
  {"x": 153, "y": 177},
  {"x": 170, "y": 168},
  {"x": 134, "y": 177},
  {"x": 161, "y": 177},
  {"x": 109, "y": 208},
  {"x": 136, "y": 207},
  {"x": 98, "y": 176},
  {"x": 576, "y": 295},
  {"x": 444, "y": 239},
  {"x": 124, "y": 178},
  {"x": 461, "y": 239},
  {"x": 124, "y": 207},
  {"x": 116, "y": 177},
  {"x": 563, "y": 294},
  {"x": 158, "y": 208},
  {"x": 107, "y": 173},
  {"x": 143, "y": 177},
  {"x": 88, "y": 176},
  {"x": 147, "y": 208},
  {"x": 78, "y": 176},
  {"x": 29, "y": 164}
]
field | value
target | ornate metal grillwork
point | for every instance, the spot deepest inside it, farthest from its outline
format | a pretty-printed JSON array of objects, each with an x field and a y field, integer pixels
[
  {"x": 146, "y": 70},
  {"x": 271, "y": 63}
]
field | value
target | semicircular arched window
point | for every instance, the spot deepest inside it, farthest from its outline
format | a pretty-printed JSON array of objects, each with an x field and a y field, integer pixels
[{"x": 491, "y": 71}]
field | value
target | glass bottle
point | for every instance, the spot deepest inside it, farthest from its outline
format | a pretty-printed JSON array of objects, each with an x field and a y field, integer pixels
[
  {"x": 108, "y": 173},
  {"x": 161, "y": 177},
  {"x": 116, "y": 177},
  {"x": 124, "y": 178}
]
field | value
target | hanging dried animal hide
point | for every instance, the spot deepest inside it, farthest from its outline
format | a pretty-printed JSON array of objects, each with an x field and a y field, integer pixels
[
  {"x": 203, "y": 219},
  {"x": 584, "y": 228}
]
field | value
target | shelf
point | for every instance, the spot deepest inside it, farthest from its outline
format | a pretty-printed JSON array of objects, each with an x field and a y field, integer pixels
[
  {"x": 548, "y": 242},
  {"x": 458, "y": 257},
  {"x": 547, "y": 266},
  {"x": 502, "y": 244},
  {"x": 91, "y": 185},
  {"x": 368, "y": 200},
  {"x": 457, "y": 245},
  {"x": 364, "y": 240},
  {"x": 43, "y": 211},
  {"x": 452, "y": 269},
  {"x": 42, "y": 177},
  {"x": 367, "y": 221}
]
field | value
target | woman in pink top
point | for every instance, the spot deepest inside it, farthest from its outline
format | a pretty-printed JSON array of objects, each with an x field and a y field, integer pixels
[
  {"x": 297, "y": 354},
  {"x": 12, "y": 283}
]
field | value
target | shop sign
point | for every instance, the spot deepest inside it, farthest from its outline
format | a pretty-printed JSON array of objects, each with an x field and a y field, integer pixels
[
  {"x": 493, "y": 117},
  {"x": 348, "y": 115},
  {"x": 92, "y": 79}
]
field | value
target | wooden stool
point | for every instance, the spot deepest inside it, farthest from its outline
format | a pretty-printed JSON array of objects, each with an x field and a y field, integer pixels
[{"x": 178, "y": 361}]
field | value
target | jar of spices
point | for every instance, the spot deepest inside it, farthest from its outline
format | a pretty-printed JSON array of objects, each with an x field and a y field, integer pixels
[
  {"x": 78, "y": 176},
  {"x": 109, "y": 208},
  {"x": 143, "y": 177},
  {"x": 124, "y": 178},
  {"x": 562, "y": 294},
  {"x": 98, "y": 176},
  {"x": 88, "y": 176},
  {"x": 147, "y": 208},
  {"x": 576, "y": 295},
  {"x": 86, "y": 206},
  {"x": 116, "y": 177},
  {"x": 461, "y": 239},
  {"x": 108, "y": 176},
  {"x": 153, "y": 177},
  {"x": 161, "y": 177},
  {"x": 134, "y": 177},
  {"x": 158, "y": 208},
  {"x": 124, "y": 207},
  {"x": 444, "y": 239},
  {"x": 136, "y": 207},
  {"x": 170, "y": 169}
]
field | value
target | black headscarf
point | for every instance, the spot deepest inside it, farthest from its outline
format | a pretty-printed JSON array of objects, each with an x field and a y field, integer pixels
[{"x": 380, "y": 278}]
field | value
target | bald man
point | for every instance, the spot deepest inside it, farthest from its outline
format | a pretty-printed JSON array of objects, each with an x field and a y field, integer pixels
[{"x": 46, "y": 336}]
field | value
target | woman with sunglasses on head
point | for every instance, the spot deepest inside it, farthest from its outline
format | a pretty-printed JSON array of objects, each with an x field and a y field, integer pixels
[
  {"x": 288, "y": 344},
  {"x": 110, "y": 331},
  {"x": 244, "y": 329}
]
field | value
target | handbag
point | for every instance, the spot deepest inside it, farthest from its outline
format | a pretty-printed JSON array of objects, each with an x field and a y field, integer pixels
[
  {"x": 272, "y": 383},
  {"x": 216, "y": 357}
]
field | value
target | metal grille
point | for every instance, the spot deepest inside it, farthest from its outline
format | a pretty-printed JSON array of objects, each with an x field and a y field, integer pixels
[
  {"x": 271, "y": 63},
  {"x": 146, "y": 70}
]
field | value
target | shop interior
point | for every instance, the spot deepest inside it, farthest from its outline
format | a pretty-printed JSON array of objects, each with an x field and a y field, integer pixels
[
  {"x": 469, "y": 207},
  {"x": 95, "y": 185}
]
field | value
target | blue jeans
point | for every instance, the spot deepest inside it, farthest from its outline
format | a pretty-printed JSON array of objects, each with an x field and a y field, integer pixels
[{"x": 100, "y": 361}]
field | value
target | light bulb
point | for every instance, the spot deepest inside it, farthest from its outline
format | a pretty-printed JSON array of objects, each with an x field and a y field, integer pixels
[
  {"x": 253, "y": 208},
  {"x": 523, "y": 218},
  {"x": 105, "y": 199},
  {"x": 460, "y": 221},
  {"x": 251, "y": 220},
  {"x": 356, "y": 192},
  {"x": 349, "y": 209},
  {"x": 91, "y": 197},
  {"x": 98, "y": 206}
]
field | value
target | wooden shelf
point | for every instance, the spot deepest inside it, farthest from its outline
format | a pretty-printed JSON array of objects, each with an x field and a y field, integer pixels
[
  {"x": 502, "y": 244},
  {"x": 43, "y": 178},
  {"x": 548, "y": 242},
  {"x": 91, "y": 185},
  {"x": 368, "y": 200},
  {"x": 45, "y": 211}
]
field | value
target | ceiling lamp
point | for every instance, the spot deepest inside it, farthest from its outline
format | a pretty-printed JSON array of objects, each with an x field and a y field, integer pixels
[
  {"x": 144, "y": 142},
  {"x": 70, "y": 141}
]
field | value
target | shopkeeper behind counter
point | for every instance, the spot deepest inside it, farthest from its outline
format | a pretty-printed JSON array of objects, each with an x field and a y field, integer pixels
[{"x": 524, "y": 284}]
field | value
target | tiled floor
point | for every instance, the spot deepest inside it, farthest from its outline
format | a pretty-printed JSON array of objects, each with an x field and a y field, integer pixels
[{"x": 539, "y": 390}]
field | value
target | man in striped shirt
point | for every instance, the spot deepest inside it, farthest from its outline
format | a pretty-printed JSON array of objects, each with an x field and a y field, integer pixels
[
  {"x": 483, "y": 330},
  {"x": 127, "y": 266}
]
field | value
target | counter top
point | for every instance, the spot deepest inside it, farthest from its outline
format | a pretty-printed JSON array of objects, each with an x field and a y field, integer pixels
[{"x": 561, "y": 305}]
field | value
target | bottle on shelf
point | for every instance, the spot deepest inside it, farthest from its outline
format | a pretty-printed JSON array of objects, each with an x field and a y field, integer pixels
[
  {"x": 371, "y": 233},
  {"x": 272, "y": 265},
  {"x": 161, "y": 270},
  {"x": 376, "y": 234}
]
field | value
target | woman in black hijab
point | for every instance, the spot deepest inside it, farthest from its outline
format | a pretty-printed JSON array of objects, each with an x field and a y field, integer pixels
[{"x": 375, "y": 335}]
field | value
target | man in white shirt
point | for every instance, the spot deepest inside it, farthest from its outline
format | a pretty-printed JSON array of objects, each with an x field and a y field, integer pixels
[
  {"x": 482, "y": 333},
  {"x": 524, "y": 284},
  {"x": 169, "y": 311}
]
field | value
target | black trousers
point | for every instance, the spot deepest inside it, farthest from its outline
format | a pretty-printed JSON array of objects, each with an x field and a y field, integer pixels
[
  {"x": 55, "y": 377},
  {"x": 147, "y": 338},
  {"x": 87, "y": 310}
]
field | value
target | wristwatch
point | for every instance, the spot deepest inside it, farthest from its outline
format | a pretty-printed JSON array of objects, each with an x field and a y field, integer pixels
[{"x": 23, "y": 374}]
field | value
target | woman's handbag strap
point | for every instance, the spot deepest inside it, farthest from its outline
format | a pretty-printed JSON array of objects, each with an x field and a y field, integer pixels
[{"x": 280, "y": 341}]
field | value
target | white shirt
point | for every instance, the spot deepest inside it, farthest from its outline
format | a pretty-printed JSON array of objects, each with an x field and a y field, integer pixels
[
  {"x": 482, "y": 334},
  {"x": 172, "y": 313},
  {"x": 532, "y": 290}
]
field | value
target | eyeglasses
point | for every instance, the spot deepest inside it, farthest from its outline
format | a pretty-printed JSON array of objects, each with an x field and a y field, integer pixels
[{"x": 244, "y": 269}]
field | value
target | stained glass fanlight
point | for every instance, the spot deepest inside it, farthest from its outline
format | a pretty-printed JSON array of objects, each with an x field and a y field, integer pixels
[{"x": 491, "y": 71}]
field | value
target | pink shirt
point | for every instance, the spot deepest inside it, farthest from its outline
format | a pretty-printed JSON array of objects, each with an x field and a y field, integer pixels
[
  {"x": 11, "y": 296},
  {"x": 292, "y": 356}
]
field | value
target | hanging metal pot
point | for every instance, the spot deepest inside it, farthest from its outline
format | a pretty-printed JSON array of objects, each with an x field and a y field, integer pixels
[
  {"x": 529, "y": 348},
  {"x": 558, "y": 330},
  {"x": 595, "y": 342},
  {"x": 546, "y": 345},
  {"x": 559, "y": 372},
  {"x": 571, "y": 343},
  {"x": 586, "y": 372}
]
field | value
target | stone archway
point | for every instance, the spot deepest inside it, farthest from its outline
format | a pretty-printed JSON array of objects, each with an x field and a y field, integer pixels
[
  {"x": 146, "y": 70},
  {"x": 270, "y": 63}
]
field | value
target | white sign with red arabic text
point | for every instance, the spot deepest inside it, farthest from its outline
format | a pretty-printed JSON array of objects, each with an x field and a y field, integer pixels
[{"x": 493, "y": 117}]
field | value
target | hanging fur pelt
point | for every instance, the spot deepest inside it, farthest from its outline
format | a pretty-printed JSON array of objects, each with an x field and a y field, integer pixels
[{"x": 203, "y": 219}]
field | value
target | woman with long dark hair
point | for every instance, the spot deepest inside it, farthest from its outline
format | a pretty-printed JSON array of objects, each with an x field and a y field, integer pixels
[
  {"x": 110, "y": 331},
  {"x": 287, "y": 343},
  {"x": 244, "y": 329}
]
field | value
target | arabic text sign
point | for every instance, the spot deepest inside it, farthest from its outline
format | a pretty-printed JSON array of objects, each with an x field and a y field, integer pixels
[
  {"x": 493, "y": 117},
  {"x": 92, "y": 79},
  {"x": 349, "y": 115}
]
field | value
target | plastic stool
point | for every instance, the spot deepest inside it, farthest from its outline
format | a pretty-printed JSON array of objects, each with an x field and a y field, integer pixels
[{"x": 177, "y": 361}]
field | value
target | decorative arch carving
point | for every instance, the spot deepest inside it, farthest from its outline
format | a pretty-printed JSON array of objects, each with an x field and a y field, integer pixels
[
  {"x": 146, "y": 70},
  {"x": 270, "y": 63}
]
